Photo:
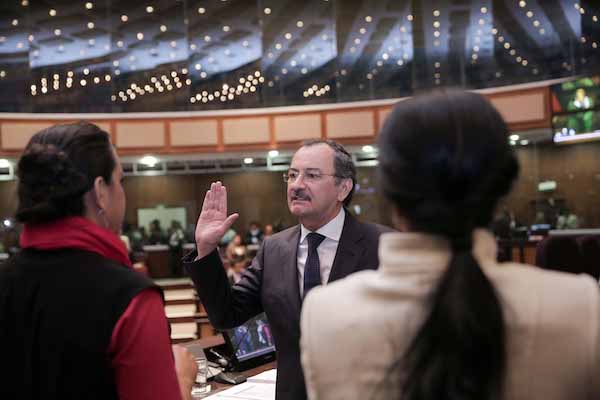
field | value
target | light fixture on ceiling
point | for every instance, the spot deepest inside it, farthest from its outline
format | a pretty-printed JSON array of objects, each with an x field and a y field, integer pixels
[
  {"x": 273, "y": 153},
  {"x": 4, "y": 163},
  {"x": 368, "y": 149},
  {"x": 248, "y": 160},
  {"x": 89, "y": 5},
  {"x": 149, "y": 161}
]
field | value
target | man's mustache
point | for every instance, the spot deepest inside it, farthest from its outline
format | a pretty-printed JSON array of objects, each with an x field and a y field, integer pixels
[{"x": 299, "y": 195}]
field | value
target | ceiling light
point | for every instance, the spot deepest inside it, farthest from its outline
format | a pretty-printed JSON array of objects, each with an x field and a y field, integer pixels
[
  {"x": 248, "y": 160},
  {"x": 90, "y": 25},
  {"x": 524, "y": 142},
  {"x": 299, "y": 24},
  {"x": 57, "y": 32},
  {"x": 149, "y": 161},
  {"x": 226, "y": 28},
  {"x": 52, "y": 12},
  {"x": 15, "y": 22},
  {"x": 4, "y": 163},
  {"x": 124, "y": 18},
  {"x": 368, "y": 149},
  {"x": 163, "y": 28},
  {"x": 83, "y": 82},
  {"x": 436, "y": 13},
  {"x": 368, "y": 18},
  {"x": 514, "y": 137},
  {"x": 140, "y": 36},
  {"x": 267, "y": 10},
  {"x": 89, "y": 5},
  {"x": 149, "y": 9},
  {"x": 201, "y": 10},
  {"x": 273, "y": 153}
]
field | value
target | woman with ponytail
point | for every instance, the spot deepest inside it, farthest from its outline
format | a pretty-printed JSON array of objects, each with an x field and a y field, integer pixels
[
  {"x": 76, "y": 321},
  {"x": 441, "y": 319}
]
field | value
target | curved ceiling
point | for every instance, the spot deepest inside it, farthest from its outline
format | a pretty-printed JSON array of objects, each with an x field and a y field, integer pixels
[{"x": 159, "y": 55}]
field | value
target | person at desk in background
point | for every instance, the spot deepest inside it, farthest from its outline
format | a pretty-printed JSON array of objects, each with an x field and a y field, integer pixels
[
  {"x": 327, "y": 245},
  {"x": 440, "y": 318},
  {"x": 254, "y": 234},
  {"x": 76, "y": 321}
]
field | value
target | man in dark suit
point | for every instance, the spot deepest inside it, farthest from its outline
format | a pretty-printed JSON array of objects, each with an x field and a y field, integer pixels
[{"x": 328, "y": 244}]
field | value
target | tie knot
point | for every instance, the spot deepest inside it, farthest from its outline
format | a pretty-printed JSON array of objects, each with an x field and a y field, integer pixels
[{"x": 314, "y": 240}]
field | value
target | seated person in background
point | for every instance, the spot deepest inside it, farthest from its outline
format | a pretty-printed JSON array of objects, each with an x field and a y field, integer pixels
[
  {"x": 235, "y": 249},
  {"x": 268, "y": 230},
  {"x": 76, "y": 321},
  {"x": 440, "y": 318},
  {"x": 567, "y": 220},
  {"x": 254, "y": 235},
  {"x": 237, "y": 267},
  {"x": 157, "y": 235}
]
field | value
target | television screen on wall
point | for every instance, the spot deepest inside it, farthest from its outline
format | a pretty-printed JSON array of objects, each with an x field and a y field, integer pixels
[{"x": 576, "y": 110}]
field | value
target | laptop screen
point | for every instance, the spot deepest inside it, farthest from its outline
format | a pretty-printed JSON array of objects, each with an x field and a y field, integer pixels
[{"x": 251, "y": 343}]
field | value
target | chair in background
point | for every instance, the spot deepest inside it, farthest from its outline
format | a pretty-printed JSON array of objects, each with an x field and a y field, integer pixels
[
  {"x": 589, "y": 247},
  {"x": 560, "y": 253}
]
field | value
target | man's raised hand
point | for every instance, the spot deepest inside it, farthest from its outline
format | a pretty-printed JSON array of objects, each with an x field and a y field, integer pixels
[{"x": 213, "y": 221}]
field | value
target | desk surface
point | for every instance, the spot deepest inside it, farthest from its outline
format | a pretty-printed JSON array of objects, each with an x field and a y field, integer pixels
[
  {"x": 218, "y": 387},
  {"x": 213, "y": 341}
]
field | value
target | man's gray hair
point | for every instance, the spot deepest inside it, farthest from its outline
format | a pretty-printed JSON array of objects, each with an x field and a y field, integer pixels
[{"x": 342, "y": 162}]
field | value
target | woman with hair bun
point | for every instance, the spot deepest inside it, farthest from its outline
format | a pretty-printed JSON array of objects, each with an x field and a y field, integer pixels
[
  {"x": 76, "y": 321},
  {"x": 441, "y": 318}
]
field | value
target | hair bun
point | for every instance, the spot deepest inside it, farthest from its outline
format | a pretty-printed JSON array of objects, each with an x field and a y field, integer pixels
[{"x": 60, "y": 183}]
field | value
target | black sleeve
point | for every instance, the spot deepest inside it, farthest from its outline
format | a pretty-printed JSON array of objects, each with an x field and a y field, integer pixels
[{"x": 227, "y": 306}]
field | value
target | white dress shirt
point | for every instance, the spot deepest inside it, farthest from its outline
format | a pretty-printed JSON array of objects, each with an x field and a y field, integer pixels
[{"x": 326, "y": 250}]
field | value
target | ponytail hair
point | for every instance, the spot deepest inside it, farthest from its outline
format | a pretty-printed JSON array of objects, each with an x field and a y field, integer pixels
[{"x": 445, "y": 162}]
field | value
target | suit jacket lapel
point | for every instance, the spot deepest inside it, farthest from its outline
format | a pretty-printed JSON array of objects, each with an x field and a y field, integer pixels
[
  {"x": 288, "y": 256},
  {"x": 349, "y": 249}
]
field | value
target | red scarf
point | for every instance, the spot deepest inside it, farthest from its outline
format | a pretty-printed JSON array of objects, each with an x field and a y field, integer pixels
[{"x": 77, "y": 233}]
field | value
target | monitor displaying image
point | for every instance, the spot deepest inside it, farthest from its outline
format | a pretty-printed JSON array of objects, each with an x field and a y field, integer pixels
[
  {"x": 576, "y": 110},
  {"x": 251, "y": 343}
]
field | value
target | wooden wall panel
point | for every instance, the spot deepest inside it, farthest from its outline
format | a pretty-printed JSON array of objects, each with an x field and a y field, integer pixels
[
  {"x": 246, "y": 130},
  {"x": 290, "y": 128},
  {"x": 529, "y": 108},
  {"x": 194, "y": 133},
  {"x": 384, "y": 113},
  {"x": 139, "y": 134},
  {"x": 350, "y": 124},
  {"x": 16, "y": 135}
]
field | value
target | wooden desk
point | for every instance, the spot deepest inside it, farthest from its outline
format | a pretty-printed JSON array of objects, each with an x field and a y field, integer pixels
[
  {"x": 215, "y": 341},
  {"x": 219, "y": 387}
]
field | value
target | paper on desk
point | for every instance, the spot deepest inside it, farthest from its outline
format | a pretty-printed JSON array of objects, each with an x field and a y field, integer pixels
[
  {"x": 268, "y": 376},
  {"x": 247, "y": 391}
]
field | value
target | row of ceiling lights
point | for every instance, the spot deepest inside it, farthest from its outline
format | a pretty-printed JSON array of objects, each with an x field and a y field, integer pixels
[
  {"x": 159, "y": 84},
  {"x": 228, "y": 92}
]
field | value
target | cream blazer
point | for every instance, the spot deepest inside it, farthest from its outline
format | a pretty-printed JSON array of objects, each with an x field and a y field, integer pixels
[{"x": 355, "y": 328}]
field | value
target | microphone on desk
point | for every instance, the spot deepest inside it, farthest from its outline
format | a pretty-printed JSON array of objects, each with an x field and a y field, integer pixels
[{"x": 223, "y": 361}]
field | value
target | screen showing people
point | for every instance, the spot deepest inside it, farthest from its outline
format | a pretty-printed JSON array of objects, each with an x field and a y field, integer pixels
[{"x": 252, "y": 339}]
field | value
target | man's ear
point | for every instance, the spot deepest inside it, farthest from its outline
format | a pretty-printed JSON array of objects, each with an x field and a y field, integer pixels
[
  {"x": 100, "y": 193},
  {"x": 345, "y": 188}
]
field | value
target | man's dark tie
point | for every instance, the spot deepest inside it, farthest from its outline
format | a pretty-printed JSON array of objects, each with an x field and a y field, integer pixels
[{"x": 312, "y": 268}]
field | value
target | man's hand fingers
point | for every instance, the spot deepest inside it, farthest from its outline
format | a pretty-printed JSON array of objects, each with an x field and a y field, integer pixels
[{"x": 229, "y": 221}]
